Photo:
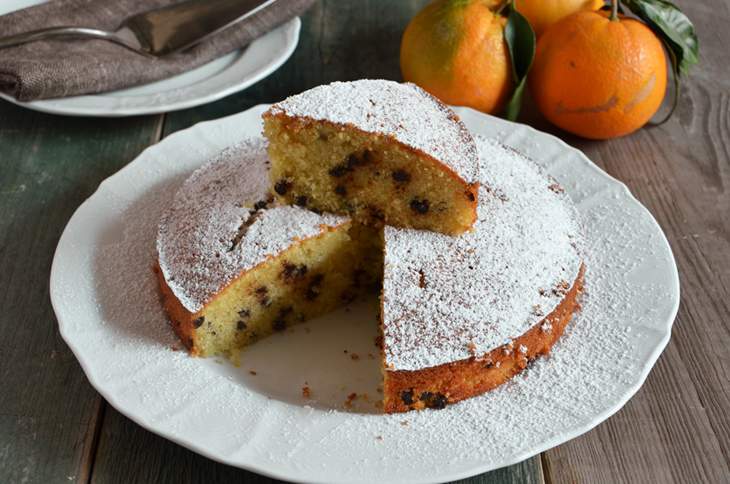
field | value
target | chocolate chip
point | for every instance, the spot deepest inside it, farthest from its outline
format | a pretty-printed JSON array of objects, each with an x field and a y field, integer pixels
[
  {"x": 260, "y": 205},
  {"x": 376, "y": 213},
  {"x": 301, "y": 200},
  {"x": 240, "y": 325},
  {"x": 555, "y": 187},
  {"x": 282, "y": 186},
  {"x": 339, "y": 170},
  {"x": 262, "y": 296},
  {"x": 244, "y": 313},
  {"x": 341, "y": 190},
  {"x": 199, "y": 322},
  {"x": 312, "y": 293},
  {"x": 280, "y": 321},
  {"x": 420, "y": 206},
  {"x": 353, "y": 161},
  {"x": 401, "y": 176},
  {"x": 292, "y": 272},
  {"x": 436, "y": 401},
  {"x": 470, "y": 196},
  {"x": 313, "y": 289},
  {"x": 407, "y": 397}
]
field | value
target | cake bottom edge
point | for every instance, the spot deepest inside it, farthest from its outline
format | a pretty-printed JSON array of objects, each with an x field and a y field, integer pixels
[{"x": 438, "y": 386}]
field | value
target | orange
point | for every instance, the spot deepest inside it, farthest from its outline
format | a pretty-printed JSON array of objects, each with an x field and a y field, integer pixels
[
  {"x": 598, "y": 78},
  {"x": 455, "y": 50},
  {"x": 543, "y": 13}
]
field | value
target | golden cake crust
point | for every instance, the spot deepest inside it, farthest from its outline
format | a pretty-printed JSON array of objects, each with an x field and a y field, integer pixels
[{"x": 180, "y": 318}]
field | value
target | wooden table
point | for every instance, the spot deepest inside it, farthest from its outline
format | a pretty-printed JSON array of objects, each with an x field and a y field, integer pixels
[{"x": 55, "y": 428}]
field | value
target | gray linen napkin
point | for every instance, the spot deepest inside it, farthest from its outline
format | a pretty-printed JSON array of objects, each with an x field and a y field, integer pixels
[{"x": 59, "y": 68}]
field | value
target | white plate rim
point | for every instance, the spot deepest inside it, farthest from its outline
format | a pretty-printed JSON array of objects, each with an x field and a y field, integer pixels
[
  {"x": 628, "y": 393},
  {"x": 281, "y": 41}
]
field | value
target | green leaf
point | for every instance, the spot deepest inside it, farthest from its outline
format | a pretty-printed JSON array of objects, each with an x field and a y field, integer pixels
[
  {"x": 674, "y": 28},
  {"x": 520, "y": 40}
]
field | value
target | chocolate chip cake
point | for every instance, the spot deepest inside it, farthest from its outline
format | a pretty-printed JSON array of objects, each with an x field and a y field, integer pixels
[
  {"x": 462, "y": 315},
  {"x": 378, "y": 150},
  {"x": 234, "y": 266}
]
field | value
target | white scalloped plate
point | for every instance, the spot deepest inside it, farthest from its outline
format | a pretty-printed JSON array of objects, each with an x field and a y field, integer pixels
[
  {"x": 106, "y": 300},
  {"x": 221, "y": 77}
]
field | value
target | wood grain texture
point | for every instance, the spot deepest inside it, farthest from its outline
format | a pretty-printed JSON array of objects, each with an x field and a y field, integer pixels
[
  {"x": 128, "y": 453},
  {"x": 49, "y": 414},
  {"x": 676, "y": 429}
]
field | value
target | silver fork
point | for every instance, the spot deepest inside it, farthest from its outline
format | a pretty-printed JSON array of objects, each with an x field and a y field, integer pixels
[{"x": 159, "y": 32}]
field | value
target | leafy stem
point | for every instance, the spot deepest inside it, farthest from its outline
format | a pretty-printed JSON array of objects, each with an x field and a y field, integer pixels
[
  {"x": 677, "y": 33},
  {"x": 614, "y": 10},
  {"x": 520, "y": 39}
]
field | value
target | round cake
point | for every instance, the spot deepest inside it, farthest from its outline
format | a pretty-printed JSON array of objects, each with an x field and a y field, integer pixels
[{"x": 460, "y": 315}]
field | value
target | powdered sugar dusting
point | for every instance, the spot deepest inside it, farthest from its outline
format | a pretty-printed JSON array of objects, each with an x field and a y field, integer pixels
[
  {"x": 402, "y": 110},
  {"x": 213, "y": 232},
  {"x": 445, "y": 298}
]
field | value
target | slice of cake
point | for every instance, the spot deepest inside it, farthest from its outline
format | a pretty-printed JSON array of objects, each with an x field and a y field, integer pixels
[
  {"x": 234, "y": 267},
  {"x": 378, "y": 150},
  {"x": 462, "y": 315}
]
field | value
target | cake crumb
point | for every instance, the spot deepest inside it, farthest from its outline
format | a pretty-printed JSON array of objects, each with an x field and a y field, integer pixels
[
  {"x": 404, "y": 423},
  {"x": 371, "y": 356},
  {"x": 350, "y": 398},
  {"x": 306, "y": 391},
  {"x": 472, "y": 348},
  {"x": 355, "y": 356},
  {"x": 378, "y": 437},
  {"x": 253, "y": 372}
]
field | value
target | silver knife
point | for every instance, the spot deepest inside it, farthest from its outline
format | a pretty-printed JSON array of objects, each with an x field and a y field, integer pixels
[{"x": 159, "y": 32}]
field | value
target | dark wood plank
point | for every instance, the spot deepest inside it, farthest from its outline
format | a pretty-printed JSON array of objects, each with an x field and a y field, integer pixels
[
  {"x": 676, "y": 429},
  {"x": 337, "y": 43},
  {"x": 49, "y": 414}
]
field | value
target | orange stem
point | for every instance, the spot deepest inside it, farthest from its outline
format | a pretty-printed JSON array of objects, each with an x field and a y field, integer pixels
[{"x": 614, "y": 9}]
